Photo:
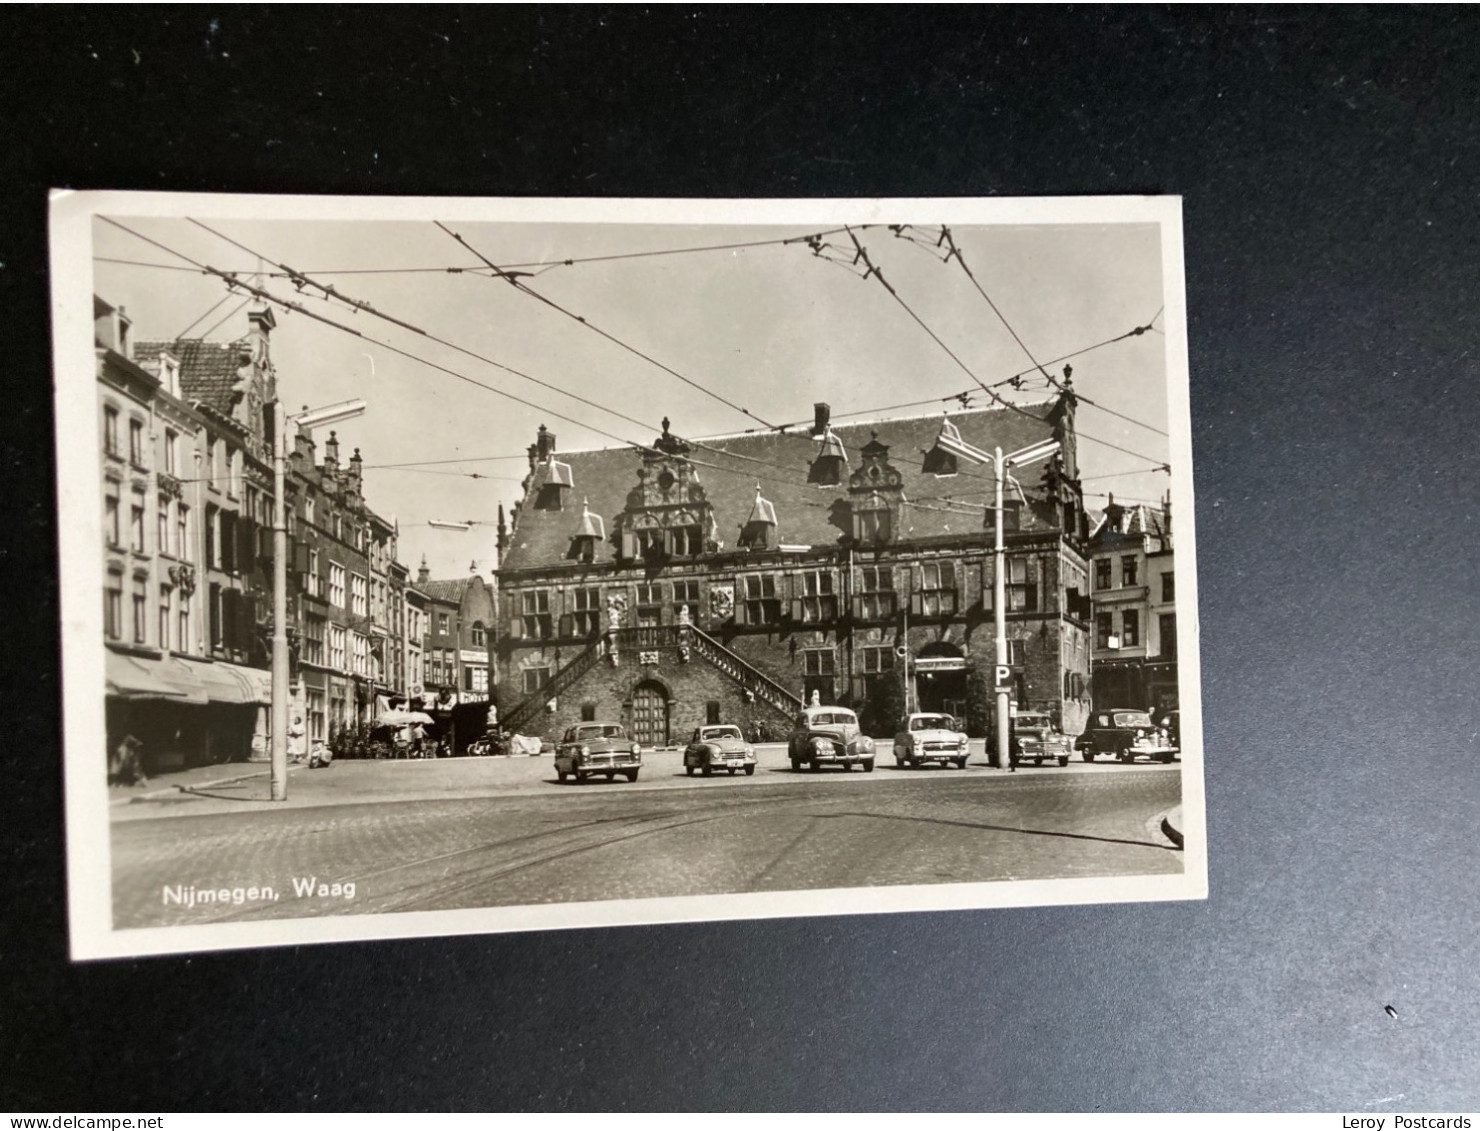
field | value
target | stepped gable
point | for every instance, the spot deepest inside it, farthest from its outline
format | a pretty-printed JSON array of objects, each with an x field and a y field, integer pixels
[
  {"x": 806, "y": 514},
  {"x": 210, "y": 372}
]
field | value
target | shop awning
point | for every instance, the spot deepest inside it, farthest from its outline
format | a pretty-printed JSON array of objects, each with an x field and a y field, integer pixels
[
  {"x": 131, "y": 677},
  {"x": 221, "y": 682}
]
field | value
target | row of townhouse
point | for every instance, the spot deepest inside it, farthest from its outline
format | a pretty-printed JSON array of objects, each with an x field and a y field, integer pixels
[
  {"x": 187, "y": 519},
  {"x": 1134, "y": 597}
]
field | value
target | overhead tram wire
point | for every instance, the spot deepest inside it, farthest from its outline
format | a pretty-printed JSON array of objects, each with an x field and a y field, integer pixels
[
  {"x": 955, "y": 253},
  {"x": 512, "y": 278},
  {"x": 232, "y": 280},
  {"x": 302, "y": 280}
]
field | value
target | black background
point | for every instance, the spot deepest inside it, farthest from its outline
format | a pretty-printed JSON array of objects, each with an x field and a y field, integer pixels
[{"x": 1329, "y": 162}]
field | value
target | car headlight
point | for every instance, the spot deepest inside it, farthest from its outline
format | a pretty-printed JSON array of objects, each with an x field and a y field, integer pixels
[
  {"x": 865, "y": 743},
  {"x": 634, "y": 749},
  {"x": 822, "y": 745},
  {"x": 750, "y": 751}
]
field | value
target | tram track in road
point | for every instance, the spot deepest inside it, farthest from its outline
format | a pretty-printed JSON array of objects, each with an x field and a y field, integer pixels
[{"x": 580, "y": 845}]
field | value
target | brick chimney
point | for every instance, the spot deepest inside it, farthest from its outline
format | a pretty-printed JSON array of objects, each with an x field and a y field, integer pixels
[
  {"x": 423, "y": 575},
  {"x": 821, "y": 418},
  {"x": 545, "y": 444}
]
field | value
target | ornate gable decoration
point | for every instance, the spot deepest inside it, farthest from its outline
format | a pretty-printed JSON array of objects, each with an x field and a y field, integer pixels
[
  {"x": 668, "y": 514},
  {"x": 876, "y": 495}
]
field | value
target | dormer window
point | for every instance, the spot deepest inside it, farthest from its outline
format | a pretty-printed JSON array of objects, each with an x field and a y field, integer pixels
[
  {"x": 759, "y": 531},
  {"x": 590, "y": 532},
  {"x": 830, "y": 463},
  {"x": 940, "y": 460},
  {"x": 871, "y": 517},
  {"x": 554, "y": 480}
]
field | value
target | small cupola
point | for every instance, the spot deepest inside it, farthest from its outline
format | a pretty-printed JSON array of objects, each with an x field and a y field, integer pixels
[
  {"x": 590, "y": 533},
  {"x": 830, "y": 463},
  {"x": 759, "y": 531}
]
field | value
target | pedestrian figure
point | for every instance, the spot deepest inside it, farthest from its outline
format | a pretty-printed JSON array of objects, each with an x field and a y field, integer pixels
[
  {"x": 295, "y": 739},
  {"x": 127, "y": 765}
]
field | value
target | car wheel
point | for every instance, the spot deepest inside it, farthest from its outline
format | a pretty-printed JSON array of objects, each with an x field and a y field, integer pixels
[
  {"x": 960, "y": 763},
  {"x": 1087, "y": 755},
  {"x": 689, "y": 770},
  {"x": 561, "y": 774},
  {"x": 796, "y": 765},
  {"x": 749, "y": 771},
  {"x": 1063, "y": 759},
  {"x": 580, "y": 776},
  {"x": 816, "y": 766},
  {"x": 611, "y": 777},
  {"x": 1166, "y": 759},
  {"x": 631, "y": 775},
  {"x": 868, "y": 766},
  {"x": 731, "y": 770},
  {"x": 707, "y": 770}
]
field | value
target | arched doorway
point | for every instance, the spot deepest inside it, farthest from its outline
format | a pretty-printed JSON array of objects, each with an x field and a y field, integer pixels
[
  {"x": 650, "y": 713},
  {"x": 940, "y": 679}
]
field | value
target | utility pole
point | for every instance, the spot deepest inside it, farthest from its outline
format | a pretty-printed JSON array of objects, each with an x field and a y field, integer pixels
[
  {"x": 950, "y": 440},
  {"x": 1002, "y": 758}
]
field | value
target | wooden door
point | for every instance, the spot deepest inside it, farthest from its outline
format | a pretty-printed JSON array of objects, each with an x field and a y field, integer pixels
[{"x": 650, "y": 715}]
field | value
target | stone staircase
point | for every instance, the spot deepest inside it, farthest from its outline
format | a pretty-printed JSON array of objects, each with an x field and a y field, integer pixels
[{"x": 631, "y": 642}]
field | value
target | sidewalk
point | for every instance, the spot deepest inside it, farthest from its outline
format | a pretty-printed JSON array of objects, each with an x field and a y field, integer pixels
[{"x": 170, "y": 784}]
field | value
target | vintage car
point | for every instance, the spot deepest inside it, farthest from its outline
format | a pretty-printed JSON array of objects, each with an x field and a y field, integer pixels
[
  {"x": 829, "y": 736},
  {"x": 718, "y": 748},
  {"x": 597, "y": 748},
  {"x": 1039, "y": 740},
  {"x": 1126, "y": 733},
  {"x": 924, "y": 738}
]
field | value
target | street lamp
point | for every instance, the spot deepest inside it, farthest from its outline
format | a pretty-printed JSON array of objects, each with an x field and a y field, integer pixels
[
  {"x": 950, "y": 440},
  {"x": 306, "y": 420}
]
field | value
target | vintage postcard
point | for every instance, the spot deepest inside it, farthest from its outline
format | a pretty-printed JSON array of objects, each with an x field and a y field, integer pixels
[{"x": 442, "y": 566}]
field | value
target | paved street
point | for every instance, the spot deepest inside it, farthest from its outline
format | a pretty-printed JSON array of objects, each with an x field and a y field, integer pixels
[{"x": 499, "y": 831}]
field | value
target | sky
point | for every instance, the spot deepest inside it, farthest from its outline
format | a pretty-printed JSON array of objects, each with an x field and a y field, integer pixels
[{"x": 770, "y": 329}]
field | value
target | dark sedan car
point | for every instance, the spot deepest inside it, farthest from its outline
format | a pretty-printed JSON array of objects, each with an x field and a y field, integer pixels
[
  {"x": 1125, "y": 733},
  {"x": 597, "y": 748}
]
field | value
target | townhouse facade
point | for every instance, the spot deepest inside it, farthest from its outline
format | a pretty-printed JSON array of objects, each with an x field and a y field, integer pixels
[
  {"x": 1133, "y": 563},
  {"x": 735, "y": 578},
  {"x": 459, "y": 632}
]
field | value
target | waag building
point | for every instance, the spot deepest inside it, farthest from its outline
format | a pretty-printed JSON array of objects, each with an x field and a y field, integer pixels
[{"x": 733, "y": 579}]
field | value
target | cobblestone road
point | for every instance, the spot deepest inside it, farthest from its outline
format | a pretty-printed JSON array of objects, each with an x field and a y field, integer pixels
[{"x": 776, "y": 832}]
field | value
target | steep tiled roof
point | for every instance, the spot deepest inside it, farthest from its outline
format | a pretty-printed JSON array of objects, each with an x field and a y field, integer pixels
[
  {"x": 209, "y": 371},
  {"x": 728, "y": 467},
  {"x": 450, "y": 592}
]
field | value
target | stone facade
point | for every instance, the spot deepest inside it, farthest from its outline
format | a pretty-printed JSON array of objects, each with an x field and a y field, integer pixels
[{"x": 730, "y": 579}]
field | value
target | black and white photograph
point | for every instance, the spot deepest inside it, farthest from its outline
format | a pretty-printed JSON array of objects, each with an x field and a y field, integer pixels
[{"x": 452, "y": 566}]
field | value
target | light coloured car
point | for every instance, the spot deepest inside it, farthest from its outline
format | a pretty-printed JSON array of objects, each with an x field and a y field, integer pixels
[
  {"x": 718, "y": 748},
  {"x": 926, "y": 737},
  {"x": 829, "y": 736},
  {"x": 597, "y": 748},
  {"x": 1039, "y": 740}
]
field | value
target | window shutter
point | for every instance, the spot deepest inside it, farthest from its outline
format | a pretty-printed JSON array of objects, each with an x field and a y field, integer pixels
[
  {"x": 916, "y": 604},
  {"x": 969, "y": 577},
  {"x": 516, "y": 622},
  {"x": 796, "y": 609},
  {"x": 629, "y": 544},
  {"x": 300, "y": 557},
  {"x": 567, "y": 625}
]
